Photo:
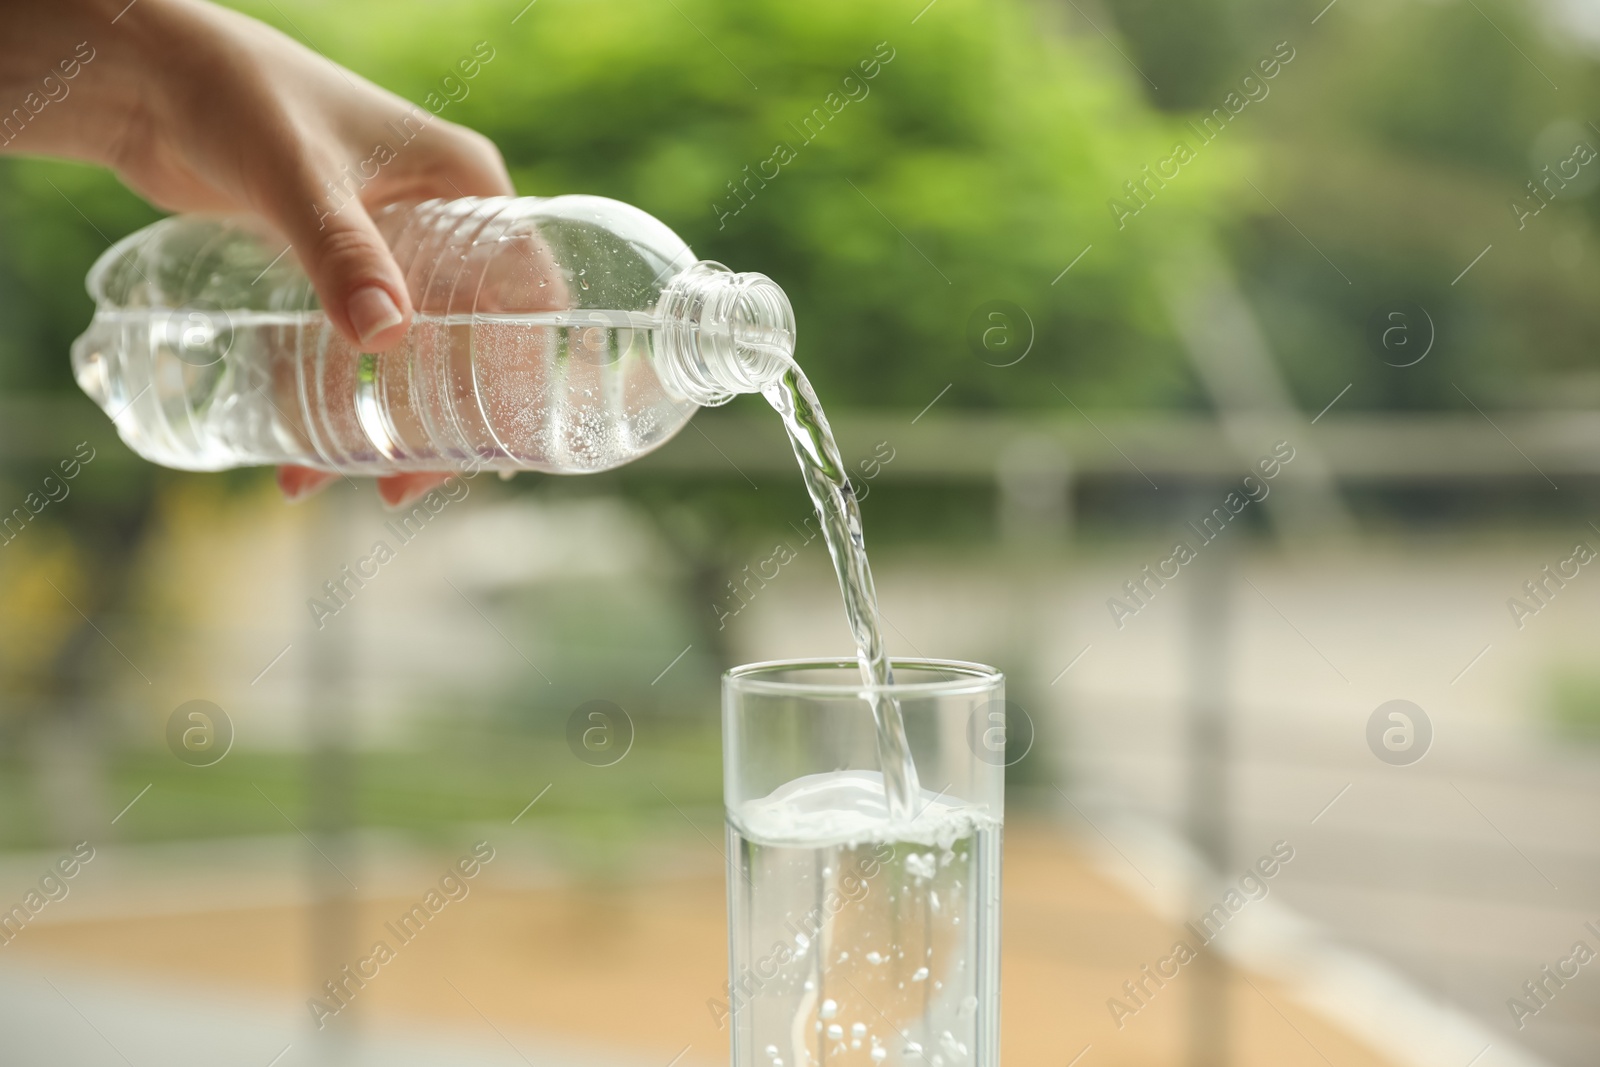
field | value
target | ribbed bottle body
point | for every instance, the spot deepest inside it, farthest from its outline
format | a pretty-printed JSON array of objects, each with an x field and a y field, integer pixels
[{"x": 535, "y": 344}]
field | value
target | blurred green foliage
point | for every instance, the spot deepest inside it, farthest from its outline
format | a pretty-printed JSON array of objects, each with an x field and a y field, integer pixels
[{"x": 1394, "y": 148}]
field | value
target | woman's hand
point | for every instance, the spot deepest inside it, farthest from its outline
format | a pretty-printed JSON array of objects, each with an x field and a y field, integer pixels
[{"x": 198, "y": 108}]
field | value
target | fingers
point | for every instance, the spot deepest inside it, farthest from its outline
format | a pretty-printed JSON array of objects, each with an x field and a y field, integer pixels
[
  {"x": 298, "y": 483},
  {"x": 396, "y": 491},
  {"x": 361, "y": 288},
  {"x": 472, "y": 165},
  {"x": 399, "y": 490},
  {"x": 447, "y": 161}
]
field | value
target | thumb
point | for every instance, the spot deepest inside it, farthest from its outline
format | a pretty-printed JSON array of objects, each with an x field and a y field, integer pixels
[{"x": 361, "y": 288}]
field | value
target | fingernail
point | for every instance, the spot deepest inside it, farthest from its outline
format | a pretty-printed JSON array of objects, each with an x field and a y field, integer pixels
[{"x": 372, "y": 311}]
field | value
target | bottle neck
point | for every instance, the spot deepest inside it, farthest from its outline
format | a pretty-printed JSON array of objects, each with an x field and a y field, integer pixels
[{"x": 723, "y": 334}]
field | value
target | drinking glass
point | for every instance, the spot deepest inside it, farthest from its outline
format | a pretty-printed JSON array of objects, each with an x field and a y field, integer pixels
[{"x": 855, "y": 938}]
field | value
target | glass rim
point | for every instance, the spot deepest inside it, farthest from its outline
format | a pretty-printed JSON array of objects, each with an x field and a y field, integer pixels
[{"x": 970, "y": 677}]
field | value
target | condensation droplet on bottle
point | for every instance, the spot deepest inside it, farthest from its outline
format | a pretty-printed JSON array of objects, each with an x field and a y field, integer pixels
[{"x": 829, "y": 1009}]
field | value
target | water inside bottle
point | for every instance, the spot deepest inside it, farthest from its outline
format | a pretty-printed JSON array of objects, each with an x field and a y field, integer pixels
[{"x": 562, "y": 391}]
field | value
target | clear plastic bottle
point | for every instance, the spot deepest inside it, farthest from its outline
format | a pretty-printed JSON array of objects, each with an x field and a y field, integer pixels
[{"x": 566, "y": 334}]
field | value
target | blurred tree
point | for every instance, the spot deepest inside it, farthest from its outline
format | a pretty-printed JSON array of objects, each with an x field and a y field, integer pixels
[
  {"x": 1195, "y": 46},
  {"x": 1397, "y": 145}
]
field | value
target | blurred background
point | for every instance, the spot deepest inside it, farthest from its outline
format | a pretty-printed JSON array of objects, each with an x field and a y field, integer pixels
[{"x": 1067, "y": 273}]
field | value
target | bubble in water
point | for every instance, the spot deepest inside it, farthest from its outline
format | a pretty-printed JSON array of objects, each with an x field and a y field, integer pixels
[
  {"x": 772, "y": 1052},
  {"x": 874, "y": 956},
  {"x": 830, "y": 1008},
  {"x": 879, "y": 1054},
  {"x": 827, "y": 872},
  {"x": 921, "y": 866},
  {"x": 953, "y": 1048},
  {"x": 969, "y": 1004},
  {"x": 858, "y": 1030},
  {"x": 921, "y": 975},
  {"x": 913, "y": 1049},
  {"x": 835, "y": 1032},
  {"x": 809, "y": 986}
]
